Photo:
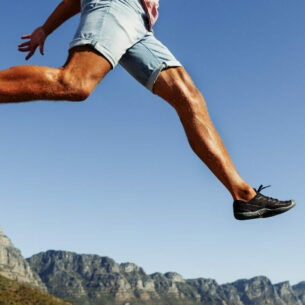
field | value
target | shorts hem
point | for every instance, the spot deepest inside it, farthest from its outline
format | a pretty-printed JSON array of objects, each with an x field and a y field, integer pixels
[
  {"x": 96, "y": 46},
  {"x": 155, "y": 74}
]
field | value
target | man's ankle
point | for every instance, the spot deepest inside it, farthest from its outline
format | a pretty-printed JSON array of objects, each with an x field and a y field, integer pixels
[{"x": 246, "y": 193}]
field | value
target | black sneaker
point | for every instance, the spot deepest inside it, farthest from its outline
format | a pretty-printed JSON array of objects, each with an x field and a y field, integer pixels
[{"x": 260, "y": 206}]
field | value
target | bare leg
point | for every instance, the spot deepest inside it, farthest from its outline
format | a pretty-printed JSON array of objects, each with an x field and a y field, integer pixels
[
  {"x": 73, "y": 82},
  {"x": 176, "y": 87}
]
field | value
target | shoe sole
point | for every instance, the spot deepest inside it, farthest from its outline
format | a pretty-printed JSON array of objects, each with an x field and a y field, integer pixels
[{"x": 263, "y": 213}]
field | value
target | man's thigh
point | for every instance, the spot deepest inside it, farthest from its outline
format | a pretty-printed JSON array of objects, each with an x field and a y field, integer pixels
[{"x": 86, "y": 64}]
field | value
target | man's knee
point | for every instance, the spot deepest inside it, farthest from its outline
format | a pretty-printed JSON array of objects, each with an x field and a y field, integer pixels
[
  {"x": 176, "y": 86},
  {"x": 76, "y": 87}
]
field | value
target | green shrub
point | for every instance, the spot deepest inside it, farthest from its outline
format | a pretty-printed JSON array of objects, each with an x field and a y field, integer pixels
[{"x": 13, "y": 293}]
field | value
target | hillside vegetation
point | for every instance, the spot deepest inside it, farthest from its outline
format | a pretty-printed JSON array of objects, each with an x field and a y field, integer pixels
[{"x": 13, "y": 293}]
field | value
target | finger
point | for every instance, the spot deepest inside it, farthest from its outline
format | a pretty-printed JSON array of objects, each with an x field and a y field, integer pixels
[
  {"x": 24, "y": 50},
  {"x": 32, "y": 51},
  {"x": 41, "y": 48},
  {"x": 27, "y": 36},
  {"x": 24, "y": 47},
  {"x": 30, "y": 55},
  {"x": 25, "y": 44}
]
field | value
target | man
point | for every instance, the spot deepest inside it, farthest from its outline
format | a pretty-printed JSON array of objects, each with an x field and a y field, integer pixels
[{"x": 120, "y": 31}]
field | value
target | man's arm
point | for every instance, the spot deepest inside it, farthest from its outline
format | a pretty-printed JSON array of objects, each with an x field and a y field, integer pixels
[{"x": 65, "y": 10}]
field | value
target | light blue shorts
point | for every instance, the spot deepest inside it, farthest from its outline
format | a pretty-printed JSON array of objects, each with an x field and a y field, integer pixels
[{"x": 117, "y": 29}]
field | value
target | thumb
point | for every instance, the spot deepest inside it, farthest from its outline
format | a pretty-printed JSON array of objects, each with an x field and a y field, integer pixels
[{"x": 41, "y": 49}]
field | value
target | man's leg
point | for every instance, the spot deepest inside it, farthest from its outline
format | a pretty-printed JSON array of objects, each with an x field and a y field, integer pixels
[
  {"x": 176, "y": 87},
  {"x": 73, "y": 82}
]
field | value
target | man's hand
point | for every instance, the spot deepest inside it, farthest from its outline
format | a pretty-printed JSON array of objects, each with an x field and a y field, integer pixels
[{"x": 35, "y": 40}]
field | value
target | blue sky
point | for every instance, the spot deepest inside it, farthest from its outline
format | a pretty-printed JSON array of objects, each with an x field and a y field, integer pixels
[{"x": 114, "y": 176}]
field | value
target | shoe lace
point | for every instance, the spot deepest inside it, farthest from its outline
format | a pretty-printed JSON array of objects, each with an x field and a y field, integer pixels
[
  {"x": 270, "y": 199},
  {"x": 261, "y": 187}
]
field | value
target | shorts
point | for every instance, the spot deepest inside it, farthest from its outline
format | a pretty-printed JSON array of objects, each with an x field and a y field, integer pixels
[{"x": 117, "y": 29}]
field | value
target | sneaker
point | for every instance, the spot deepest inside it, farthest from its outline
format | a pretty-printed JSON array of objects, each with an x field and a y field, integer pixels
[{"x": 260, "y": 206}]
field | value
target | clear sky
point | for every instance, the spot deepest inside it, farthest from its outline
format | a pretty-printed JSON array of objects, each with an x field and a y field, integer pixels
[{"x": 114, "y": 176}]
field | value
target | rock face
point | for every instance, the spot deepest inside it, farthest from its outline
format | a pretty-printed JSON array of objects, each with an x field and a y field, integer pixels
[
  {"x": 90, "y": 279},
  {"x": 14, "y": 266},
  {"x": 299, "y": 291},
  {"x": 93, "y": 280}
]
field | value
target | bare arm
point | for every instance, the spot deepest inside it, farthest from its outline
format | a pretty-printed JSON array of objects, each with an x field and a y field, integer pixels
[{"x": 65, "y": 10}]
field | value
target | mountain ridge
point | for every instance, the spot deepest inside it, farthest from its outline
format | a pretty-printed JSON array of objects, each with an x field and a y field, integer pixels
[{"x": 88, "y": 279}]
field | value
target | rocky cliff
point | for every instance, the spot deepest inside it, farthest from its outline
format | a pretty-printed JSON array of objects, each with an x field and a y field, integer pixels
[
  {"x": 14, "y": 266},
  {"x": 93, "y": 280}
]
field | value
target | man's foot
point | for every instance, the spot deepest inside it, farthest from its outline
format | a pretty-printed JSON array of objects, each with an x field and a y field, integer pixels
[{"x": 260, "y": 206}]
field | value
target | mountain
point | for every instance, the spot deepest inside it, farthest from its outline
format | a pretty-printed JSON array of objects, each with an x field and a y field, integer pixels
[
  {"x": 299, "y": 291},
  {"x": 95, "y": 280},
  {"x": 14, "y": 266}
]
